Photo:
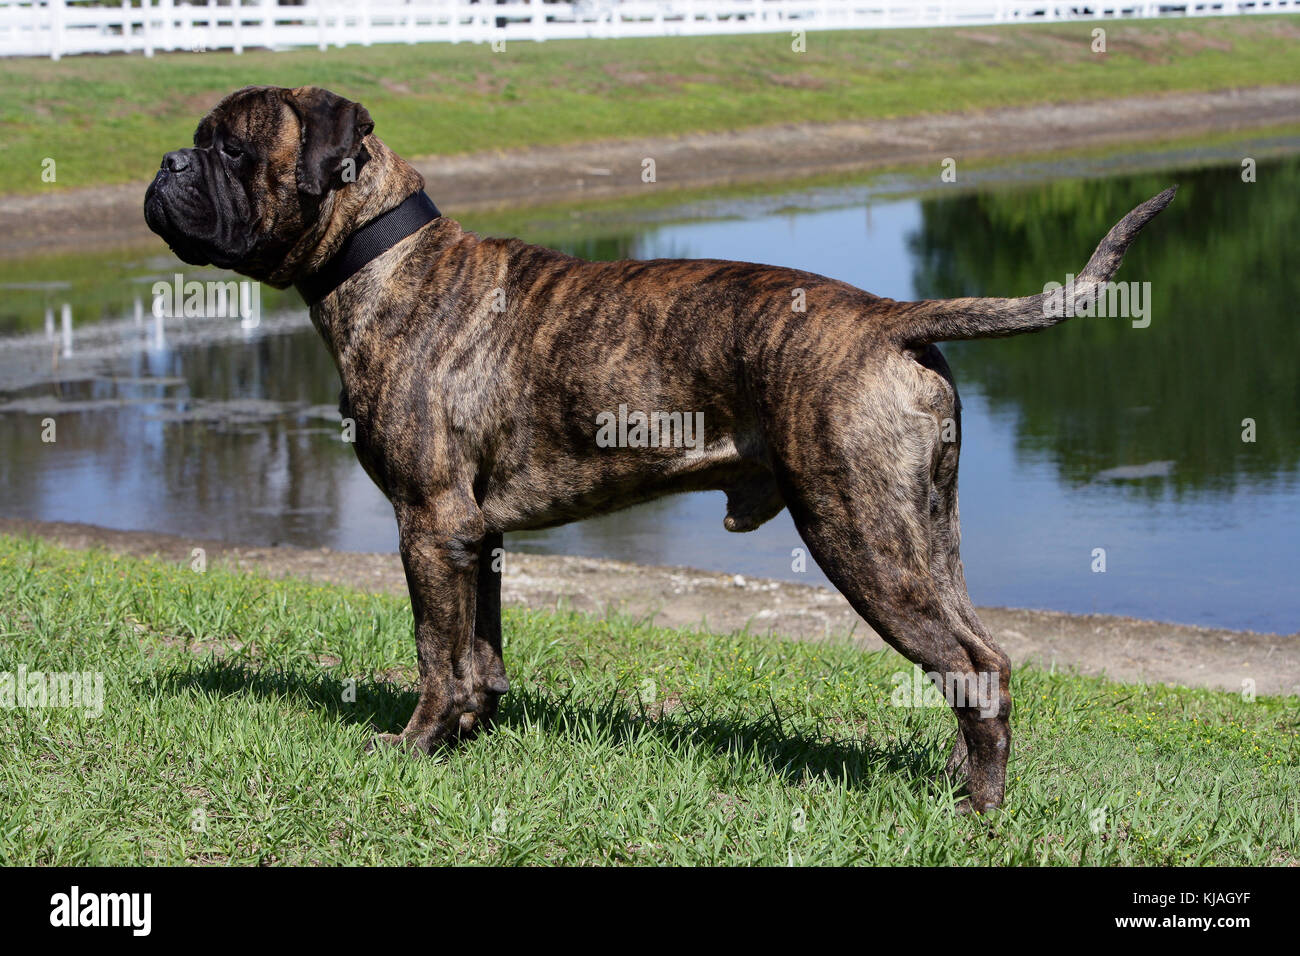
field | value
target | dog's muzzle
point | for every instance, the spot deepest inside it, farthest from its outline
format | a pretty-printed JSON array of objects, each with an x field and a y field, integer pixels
[{"x": 177, "y": 205}]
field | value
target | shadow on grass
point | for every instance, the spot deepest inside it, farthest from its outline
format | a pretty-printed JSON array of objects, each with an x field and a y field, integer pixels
[{"x": 790, "y": 754}]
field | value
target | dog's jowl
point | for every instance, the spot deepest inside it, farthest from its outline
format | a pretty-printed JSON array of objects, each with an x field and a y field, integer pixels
[{"x": 480, "y": 373}]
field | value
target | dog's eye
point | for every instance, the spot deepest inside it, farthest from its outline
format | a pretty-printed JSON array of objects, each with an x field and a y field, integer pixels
[{"x": 231, "y": 150}]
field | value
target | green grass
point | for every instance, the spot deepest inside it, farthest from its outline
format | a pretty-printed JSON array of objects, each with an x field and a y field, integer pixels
[
  {"x": 107, "y": 119},
  {"x": 226, "y": 738}
]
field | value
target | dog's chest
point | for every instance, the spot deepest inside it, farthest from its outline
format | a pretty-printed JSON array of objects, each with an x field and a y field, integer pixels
[{"x": 409, "y": 431}]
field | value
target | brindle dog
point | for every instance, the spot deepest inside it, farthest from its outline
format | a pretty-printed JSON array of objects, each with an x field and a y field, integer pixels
[{"x": 475, "y": 370}]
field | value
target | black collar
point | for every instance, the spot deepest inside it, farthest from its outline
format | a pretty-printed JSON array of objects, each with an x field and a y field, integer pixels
[{"x": 367, "y": 244}]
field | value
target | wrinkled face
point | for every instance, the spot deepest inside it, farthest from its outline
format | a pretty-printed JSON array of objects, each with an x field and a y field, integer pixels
[{"x": 252, "y": 185}]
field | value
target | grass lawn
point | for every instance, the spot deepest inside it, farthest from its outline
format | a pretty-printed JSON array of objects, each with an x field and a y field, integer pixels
[
  {"x": 107, "y": 118},
  {"x": 227, "y": 737}
]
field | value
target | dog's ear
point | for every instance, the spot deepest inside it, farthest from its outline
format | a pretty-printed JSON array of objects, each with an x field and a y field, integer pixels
[{"x": 331, "y": 152}]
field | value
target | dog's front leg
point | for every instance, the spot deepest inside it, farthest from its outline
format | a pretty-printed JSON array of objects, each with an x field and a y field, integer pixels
[{"x": 441, "y": 544}]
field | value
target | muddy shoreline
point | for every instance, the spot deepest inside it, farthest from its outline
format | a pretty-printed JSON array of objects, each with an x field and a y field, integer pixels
[
  {"x": 1122, "y": 648},
  {"x": 106, "y": 216}
]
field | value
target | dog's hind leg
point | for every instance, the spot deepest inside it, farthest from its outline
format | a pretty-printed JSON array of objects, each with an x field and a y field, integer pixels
[
  {"x": 908, "y": 609},
  {"x": 984, "y": 730},
  {"x": 946, "y": 565},
  {"x": 869, "y": 493}
]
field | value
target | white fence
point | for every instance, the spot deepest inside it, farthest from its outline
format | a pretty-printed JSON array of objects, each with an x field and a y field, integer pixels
[{"x": 59, "y": 27}]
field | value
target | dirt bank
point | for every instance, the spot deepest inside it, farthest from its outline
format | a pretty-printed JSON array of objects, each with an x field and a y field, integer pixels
[
  {"x": 1123, "y": 648},
  {"x": 111, "y": 215}
]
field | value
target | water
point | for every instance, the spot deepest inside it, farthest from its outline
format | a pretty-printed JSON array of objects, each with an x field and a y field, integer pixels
[{"x": 1094, "y": 435}]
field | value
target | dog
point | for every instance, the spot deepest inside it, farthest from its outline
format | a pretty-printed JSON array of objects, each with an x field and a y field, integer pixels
[{"x": 477, "y": 372}]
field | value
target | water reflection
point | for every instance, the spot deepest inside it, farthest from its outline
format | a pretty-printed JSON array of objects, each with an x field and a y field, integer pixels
[{"x": 1098, "y": 393}]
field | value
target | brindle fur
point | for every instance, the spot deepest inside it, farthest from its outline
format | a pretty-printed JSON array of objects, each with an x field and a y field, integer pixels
[{"x": 475, "y": 421}]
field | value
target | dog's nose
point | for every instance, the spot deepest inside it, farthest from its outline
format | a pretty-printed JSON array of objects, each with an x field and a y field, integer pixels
[{"x": 175, "y": 161}]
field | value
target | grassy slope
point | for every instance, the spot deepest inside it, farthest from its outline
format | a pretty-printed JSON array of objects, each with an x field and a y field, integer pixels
[
  {"x": 224, "y": 693},
  {"x": 106, "y": 119}
]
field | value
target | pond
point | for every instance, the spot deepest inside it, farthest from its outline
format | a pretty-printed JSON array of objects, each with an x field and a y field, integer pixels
[{"x": 1098, "y": 434}]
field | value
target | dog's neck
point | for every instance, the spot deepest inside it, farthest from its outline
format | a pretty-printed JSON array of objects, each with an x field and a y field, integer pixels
[
  {"x": 366, "y": 244},
  {"x": 383, "y": 183},
  {"x": 360, "y": 322},
  {"x": 343, "y": 316}
]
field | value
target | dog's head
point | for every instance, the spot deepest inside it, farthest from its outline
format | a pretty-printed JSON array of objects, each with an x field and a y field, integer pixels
[{"x": 273, "y": 176}]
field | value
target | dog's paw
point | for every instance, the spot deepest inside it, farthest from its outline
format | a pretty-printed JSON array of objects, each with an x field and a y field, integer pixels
[
  {"x": 971, "y": 806},
  {"x": 482, "y": 710}
]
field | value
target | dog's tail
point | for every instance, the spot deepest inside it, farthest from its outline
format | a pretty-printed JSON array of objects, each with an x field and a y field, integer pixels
[{"x": 944, "y": 320}]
